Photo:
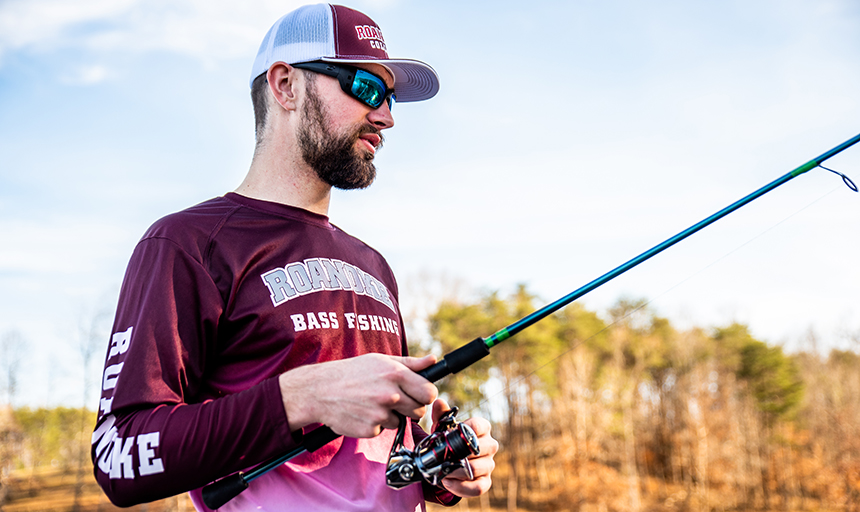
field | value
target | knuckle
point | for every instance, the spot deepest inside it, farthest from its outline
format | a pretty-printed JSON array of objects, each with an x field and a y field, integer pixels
[
  {"x": 377, "y": 417},
  {"x": 391, "y": 374},
  {"x": 492, "y": 466},
  {"x": 389, "y": 399},
  {"x": 384, "y": 416},
  {"x": 486, "y": 483},
  {"x": 480, "y": 426},
  {"x": 431, "y": 393},
  {"x": 374, "y": 359}
]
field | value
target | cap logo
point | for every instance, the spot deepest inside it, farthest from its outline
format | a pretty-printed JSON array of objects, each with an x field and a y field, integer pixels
[{"x": 373, "y": 35}]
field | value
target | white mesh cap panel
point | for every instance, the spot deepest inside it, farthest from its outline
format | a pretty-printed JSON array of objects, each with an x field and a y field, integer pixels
[{"x": 303, "y": 35}]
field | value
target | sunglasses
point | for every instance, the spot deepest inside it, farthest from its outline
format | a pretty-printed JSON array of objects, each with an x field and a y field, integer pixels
[{"x": 358, "y": 83}]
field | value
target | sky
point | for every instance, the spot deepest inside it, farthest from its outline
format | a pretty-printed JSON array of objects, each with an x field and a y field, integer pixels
[{"x": 567, "y": 138}]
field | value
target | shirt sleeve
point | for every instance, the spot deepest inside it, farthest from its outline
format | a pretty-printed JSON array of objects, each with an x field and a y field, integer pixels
[{"x": 154, "y": 437}]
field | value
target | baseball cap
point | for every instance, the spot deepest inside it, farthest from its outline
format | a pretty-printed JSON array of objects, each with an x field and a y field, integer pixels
[{"x": 334, "y": 33}]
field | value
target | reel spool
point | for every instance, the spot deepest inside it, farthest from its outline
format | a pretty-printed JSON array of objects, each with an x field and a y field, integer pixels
[{"x": 439, "y": 454}]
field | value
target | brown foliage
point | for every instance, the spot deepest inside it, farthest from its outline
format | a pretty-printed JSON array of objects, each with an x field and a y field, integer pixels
[
  {"x": 638, "y": 416},
  {"x": 630, "y": 416}
]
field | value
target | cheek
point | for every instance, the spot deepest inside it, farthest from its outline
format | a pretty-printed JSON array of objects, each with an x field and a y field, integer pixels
[
  {"x": 348, "y": 112},
  {"x": 343, "y": 108},
  {"x": 337, "y": 102}
]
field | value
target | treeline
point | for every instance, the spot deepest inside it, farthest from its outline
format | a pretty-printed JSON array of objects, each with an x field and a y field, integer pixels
[
  {"x": 620, "y": 412},
  {"x": 629, "y": 413},
  {"x": 33, "y": 441},
  {"x": 45, "y": 464},
  {"x": 40, "y": 437}
]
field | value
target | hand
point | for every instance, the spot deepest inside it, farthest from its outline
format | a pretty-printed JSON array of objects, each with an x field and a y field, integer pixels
[
  {"x": 482, "y": 464},
  {"x": 357, "y": 397}
]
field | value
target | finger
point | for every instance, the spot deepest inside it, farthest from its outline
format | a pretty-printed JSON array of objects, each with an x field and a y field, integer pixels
[
  {"x": 482, "y": 465},
  {"x": 408, "y": 407},
  {"x": 414, "y": 385},
  {"x": 486, "y": 446},
  {"x": 480, "y": 425},
  {"x": 416, "y": 363},
  {"x": 392, "y": 422},
  {"x": 467, "y": 488},
  {"x": 440, "y": 407},
  {"x": 411, "y": 401}
]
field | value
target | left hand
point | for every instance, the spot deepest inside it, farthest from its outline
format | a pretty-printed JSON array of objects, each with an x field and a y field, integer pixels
[{"x": 482, "y": 464}]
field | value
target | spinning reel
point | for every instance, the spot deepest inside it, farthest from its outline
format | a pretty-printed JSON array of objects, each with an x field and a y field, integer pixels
[
  {"x": 446, "y": 449},
  {"x": 439, "y": 454}
]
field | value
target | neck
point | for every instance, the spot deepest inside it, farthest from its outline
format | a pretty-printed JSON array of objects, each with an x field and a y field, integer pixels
[{"x": 280, "y": 175}]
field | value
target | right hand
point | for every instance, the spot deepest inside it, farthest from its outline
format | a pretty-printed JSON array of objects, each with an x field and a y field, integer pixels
[{"x": 357, "y": 397}]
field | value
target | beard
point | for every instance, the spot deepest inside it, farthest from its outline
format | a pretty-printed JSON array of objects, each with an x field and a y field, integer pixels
[{"x": 334, "y": 158}]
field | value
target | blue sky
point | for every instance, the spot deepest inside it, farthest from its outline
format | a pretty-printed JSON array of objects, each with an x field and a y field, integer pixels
[{"x": 567, "y": 137}]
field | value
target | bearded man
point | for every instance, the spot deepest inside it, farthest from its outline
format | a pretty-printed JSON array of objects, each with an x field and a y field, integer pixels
[{"x": 249, "y": 319}]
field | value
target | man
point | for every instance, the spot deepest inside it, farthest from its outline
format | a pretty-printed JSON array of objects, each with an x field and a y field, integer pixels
[{"x": 248, "y": 320}]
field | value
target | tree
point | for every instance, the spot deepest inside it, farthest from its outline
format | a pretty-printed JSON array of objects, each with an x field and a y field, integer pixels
[
  {"x": 12, "y": 350},
  {"x": 774, "y": 379},
  {"x": 525, "y": 369},
  {"x": 93, "y": 334},
  {"x": 13, "y": 347}
]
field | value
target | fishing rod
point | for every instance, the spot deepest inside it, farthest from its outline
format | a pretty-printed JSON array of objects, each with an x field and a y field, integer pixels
[{"x": 220, "y": 492}]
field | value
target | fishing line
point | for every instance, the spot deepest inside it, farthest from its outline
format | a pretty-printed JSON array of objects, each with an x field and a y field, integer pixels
[
  {"x": 225, "y": 489},
  {"x": 521, "y": 379}
]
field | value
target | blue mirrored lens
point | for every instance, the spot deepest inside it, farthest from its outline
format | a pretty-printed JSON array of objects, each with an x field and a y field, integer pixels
[{"x": 370, "y": 89}]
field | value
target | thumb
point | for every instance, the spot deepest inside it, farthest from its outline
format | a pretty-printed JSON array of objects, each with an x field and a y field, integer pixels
[
  {"x": 417, "y": 363},
  {"x": 440, "y": 407}
]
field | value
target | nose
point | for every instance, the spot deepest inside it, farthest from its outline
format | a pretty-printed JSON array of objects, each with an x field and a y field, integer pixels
[{"x": 381, "y": 117}]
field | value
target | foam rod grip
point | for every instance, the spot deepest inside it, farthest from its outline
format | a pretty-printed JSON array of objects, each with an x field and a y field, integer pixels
[
  {"x": 456, "y": 360},
  {"x": 318, "y": 438}
]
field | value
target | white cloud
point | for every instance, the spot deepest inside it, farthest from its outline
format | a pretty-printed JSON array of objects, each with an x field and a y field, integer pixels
[
  {"x": 86, "y": 75},
  {"x": 26, "y": 23},
  {"x": 209, "y": 30},
  {"x": 608, "y": 150}
]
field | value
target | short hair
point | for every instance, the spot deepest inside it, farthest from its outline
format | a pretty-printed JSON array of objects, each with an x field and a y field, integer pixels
[{"x": 260, "y": 101}]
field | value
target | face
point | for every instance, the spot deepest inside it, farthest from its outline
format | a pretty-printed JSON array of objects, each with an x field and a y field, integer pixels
[{"x": 342, "y": 158}]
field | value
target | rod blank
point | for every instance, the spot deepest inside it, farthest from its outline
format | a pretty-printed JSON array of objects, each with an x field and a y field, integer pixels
[{"x": 224, "y": 490}]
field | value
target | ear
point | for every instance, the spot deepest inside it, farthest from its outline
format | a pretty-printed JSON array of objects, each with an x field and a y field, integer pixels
[{"x": 282, "y": 84}]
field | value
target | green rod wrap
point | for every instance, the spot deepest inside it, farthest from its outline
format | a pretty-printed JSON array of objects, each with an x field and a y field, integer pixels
[
  {"x": 545, "y": 311},
  {"x": 808, "y": 166},
  {"x": 497, "y": 337}
]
